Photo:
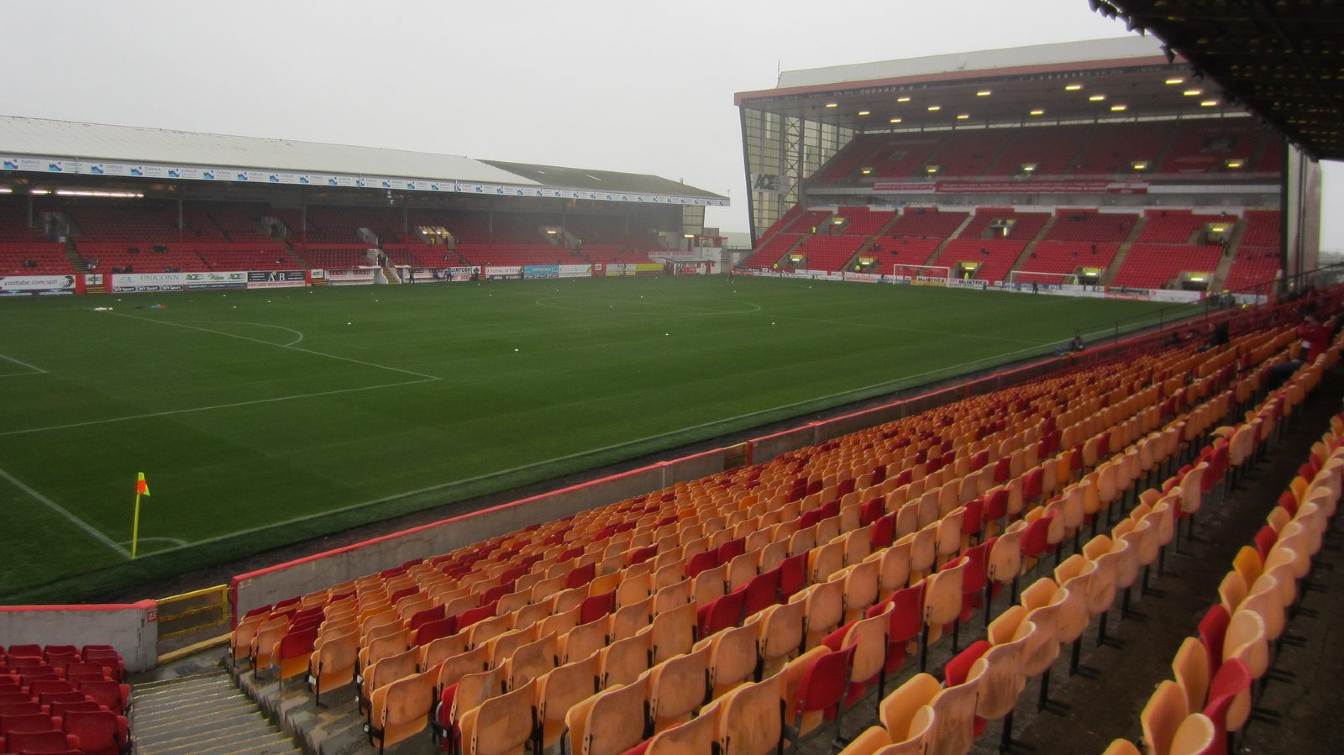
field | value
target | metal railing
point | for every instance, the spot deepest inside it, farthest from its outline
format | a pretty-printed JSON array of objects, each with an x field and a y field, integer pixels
[{"x": 195, "y": 611}]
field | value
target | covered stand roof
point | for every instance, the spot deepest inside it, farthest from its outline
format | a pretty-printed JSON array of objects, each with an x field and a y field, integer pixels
[
  {"x": 1121, "y": 77},
  {"x": 38, "y": 145},
  {"x": 1282, "y": 60}
]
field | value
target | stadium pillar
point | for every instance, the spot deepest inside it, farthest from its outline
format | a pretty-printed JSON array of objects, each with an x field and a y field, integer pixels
[
  {"x": 179, "y": 216},
  {"x": 405, "y": 219},
  {"x": 303, "y": 220}
]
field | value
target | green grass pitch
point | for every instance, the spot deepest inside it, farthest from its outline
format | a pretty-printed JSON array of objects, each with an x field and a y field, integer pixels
[{"x": 267, "y": 417}]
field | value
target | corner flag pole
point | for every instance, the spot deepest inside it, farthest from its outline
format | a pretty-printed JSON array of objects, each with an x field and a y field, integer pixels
[{"x": 141, "y": 488}]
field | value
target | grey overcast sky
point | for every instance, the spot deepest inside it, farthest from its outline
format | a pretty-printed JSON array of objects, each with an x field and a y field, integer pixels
[{"x": 621, "y": 85}]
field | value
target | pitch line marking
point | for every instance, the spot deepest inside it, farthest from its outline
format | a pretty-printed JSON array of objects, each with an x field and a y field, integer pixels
[
  {"x": 175, "y": 541},
  {"x": 34, "y": 369},
  {"x": 295, "y": 342},
  {"x": 88, "y": 529},
  {"x": 212, "y": 407},
  {"x": 580, "y": 454},
  {"x": 290, "y": 347}
]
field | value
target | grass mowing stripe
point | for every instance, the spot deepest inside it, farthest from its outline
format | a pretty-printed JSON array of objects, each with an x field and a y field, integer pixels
[
  {"x": 92, "y": 531},
  {"x": 212, "y": 407},
  {"x": 278, "y": 345}
]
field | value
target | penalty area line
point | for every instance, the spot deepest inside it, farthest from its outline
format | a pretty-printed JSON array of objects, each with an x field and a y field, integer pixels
[{"x": 33, "y": 369}]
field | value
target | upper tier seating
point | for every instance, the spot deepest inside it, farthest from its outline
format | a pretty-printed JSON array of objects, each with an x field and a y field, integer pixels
[
  {"x": 904, "y": 250},
  {"x": 1156, "y": 265},
  {"x": 33, "y": 258},
  {"x": 1090, "y": 225},
  {"x": 996, "y": 256},
  {"x": 928, "y": 222},
  {"x": 1051, "y": 150},
  {"x": 1065, "y": 257},
  {"x": 1200, "y": 148},
  {"x": 1092, "y": 150},
  {"x": 1114, "y": 148}
]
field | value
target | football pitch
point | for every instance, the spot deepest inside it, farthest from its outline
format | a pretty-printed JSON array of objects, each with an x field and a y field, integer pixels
[{"x": 263, "y": 418}]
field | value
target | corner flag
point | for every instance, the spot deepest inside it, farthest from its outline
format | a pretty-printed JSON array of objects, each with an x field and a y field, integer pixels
[{"x": 141, "y": 489}]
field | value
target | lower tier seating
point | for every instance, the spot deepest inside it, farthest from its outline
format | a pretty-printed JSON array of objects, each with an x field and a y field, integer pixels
[{"x": 1157, "y": 265}]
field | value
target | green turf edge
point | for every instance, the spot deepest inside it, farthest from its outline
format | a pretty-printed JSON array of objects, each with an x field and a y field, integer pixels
[{"x": 162, "y": 565}]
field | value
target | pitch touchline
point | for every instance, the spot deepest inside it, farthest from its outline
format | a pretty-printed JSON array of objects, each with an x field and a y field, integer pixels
[
  {"x": 88, "y": 529},
  {"x": 289, "y": 346},
  {"x": 35, "y": 369},
  {"x": 233, "y": 405}
]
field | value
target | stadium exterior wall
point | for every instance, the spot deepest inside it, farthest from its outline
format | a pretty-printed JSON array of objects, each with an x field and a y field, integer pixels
[{"x": 130, "y": 628}]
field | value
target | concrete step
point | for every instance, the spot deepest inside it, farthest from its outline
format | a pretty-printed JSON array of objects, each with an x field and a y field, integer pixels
[
  {"x": 202, "y": 713},
  {"x": 212, "y": 735}
]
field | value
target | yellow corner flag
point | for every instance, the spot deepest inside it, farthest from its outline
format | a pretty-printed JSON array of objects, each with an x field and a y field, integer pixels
[{"x": 141, "y": 489}]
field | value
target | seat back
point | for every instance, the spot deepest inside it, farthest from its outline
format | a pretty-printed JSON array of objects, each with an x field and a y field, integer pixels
[
  {"x": 1161, "y": 717},
  {"x": 502, "y": 724},
  {"x": 750, "y": 722}
]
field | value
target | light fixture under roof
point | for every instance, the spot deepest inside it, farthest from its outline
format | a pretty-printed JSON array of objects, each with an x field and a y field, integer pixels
[
  {"x": 1173, "y": 81},
  {"x": 1235, "y": 163},
  {"x": 6, "y": 190},
  {"x": 1073, "y": 87},
  {"x": 1037, "y": 111},
  {"x": 865, "y": 112},
  {"x": 903, "y": 99},
  {"x": 830, "y": 105},
  {"x": 894, "y": 120},
  {"x": 1028, "y": 167},
  {"x": 1139, "y": 165},
  {"x": 866, "y": 171},
  {"x": 1193, "y": 92},
  {"x": 1096, "y": 98},
  {"x": 963, "y": 116},
  {"x": 931, "y": 169},
  {"x": 1119, "y": 108},
  {"x": 1209, "y": 103},
  {"x": 935, "y": 108},
  {"x": 984, "y": 93}
]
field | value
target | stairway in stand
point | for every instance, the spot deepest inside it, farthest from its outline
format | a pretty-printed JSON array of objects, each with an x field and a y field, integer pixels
[{"x": 202, "y": 713}]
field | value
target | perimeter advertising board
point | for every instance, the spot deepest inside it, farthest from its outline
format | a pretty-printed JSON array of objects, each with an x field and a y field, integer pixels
[{"x": 25, "y": 285}]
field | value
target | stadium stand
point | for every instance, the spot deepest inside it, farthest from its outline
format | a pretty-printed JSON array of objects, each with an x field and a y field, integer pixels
[
  {"x": 1020, "y": 225},
  {"x": 1252, "y": 267},
  {"x": 1215, "y": 673},
  {"x": 995, "y": 256},
  {"x": 1176, "y": 226},
  {"x": 928, "y": 222},
  {"x": 829, "y": 252},
  {"x": 1065, "y": 257},
  {"x": 772, "y": 250},
  {"x": 1156, "y": 265},
  {"x": 1262, "y": 228},
  {"x": 1104, "y": 150},
  {"x": 908, "y": 250},
  {"x": 63, "y": 698},
  {"x": 862, "y": 221},
  {"x": 839, "y": 553},
  {"x": 33, "y": 258},
  {"x": 1076, "y": 224}
]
